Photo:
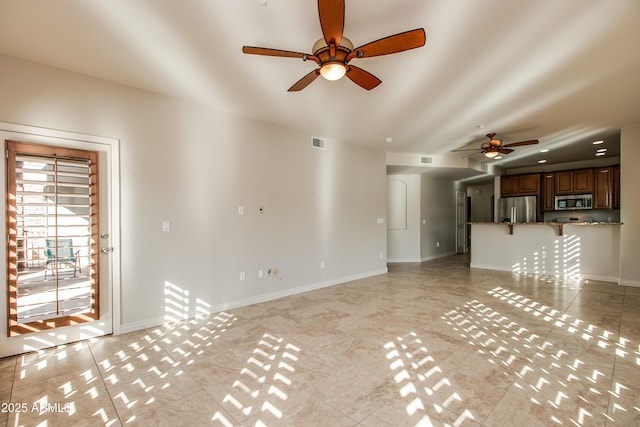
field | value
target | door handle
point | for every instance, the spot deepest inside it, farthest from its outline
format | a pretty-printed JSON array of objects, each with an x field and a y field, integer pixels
[{"x": 106, "y": 250}]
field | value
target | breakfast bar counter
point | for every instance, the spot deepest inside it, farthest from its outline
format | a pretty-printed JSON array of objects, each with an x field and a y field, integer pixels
[{"x": 587, "y": 250}]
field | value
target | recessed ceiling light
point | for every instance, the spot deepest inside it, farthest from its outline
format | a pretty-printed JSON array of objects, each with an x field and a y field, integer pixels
[
  {"x": 388, "y": 140},
  {"x": 497, "y": 157},
  {"x": 602, "y": 153},
  {"x": 598, "y": 142},
  {"x": 544, "y": 150},
  {"x": 601, "y": 150},
  {"x": 542, "y": 161}
]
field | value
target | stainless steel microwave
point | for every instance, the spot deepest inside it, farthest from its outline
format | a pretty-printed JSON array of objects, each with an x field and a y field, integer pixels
[{"x": 574, "y": 202}]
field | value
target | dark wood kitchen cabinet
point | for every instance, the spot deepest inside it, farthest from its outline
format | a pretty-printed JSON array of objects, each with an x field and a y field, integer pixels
[
  {"x": 548, "y": 191},
  {"x": 579, "y": 181},
  {"x": 606, "y": 194},
  {"x": 583, "y": 181},
  {"x": 616, "y": 187},
  {"x": 520, "y": 185},
  {"x": 603, "y": 188},
  {"x": 529, "y": 183},
  {"x": 508, "y": 185}
]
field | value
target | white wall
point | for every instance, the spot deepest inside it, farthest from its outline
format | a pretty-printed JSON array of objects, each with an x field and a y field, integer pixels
[
  {"x": 195, "y": 167},
  {"x": 629, "y": 206}
]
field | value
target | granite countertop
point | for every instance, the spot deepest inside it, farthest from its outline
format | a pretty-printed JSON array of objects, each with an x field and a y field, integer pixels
[{"x": 548, "y": 223}]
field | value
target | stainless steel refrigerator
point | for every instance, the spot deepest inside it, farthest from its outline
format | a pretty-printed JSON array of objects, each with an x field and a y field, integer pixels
[{"x": 518, "y": 209}]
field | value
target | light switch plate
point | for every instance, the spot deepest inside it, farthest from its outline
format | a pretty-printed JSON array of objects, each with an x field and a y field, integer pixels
[{"x": 166, "y": 226}]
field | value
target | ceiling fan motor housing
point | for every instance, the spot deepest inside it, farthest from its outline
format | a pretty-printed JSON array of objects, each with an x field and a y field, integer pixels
[{"x": 323, "y": 52}]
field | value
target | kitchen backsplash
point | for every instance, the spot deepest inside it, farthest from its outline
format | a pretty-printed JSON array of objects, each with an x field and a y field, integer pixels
[{"x": 594, "y": 215}]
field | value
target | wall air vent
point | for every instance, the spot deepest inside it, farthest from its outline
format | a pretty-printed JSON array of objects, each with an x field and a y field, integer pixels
[
  {"x": 425, "y": 159},
  {"x": 319, "y": 143}
]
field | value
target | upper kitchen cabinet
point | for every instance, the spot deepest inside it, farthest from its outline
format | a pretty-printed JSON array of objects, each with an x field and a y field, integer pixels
[
  {"x": 616, "y": 187},
  {"x": 579, "y": 181},
  {"x": 607, "y": 188},
  {"x": 520, "y": 185},
  {"x": 548, "y": 191}
]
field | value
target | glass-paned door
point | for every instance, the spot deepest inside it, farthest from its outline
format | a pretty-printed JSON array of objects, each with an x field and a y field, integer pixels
[{"x": 52, "y": 224}]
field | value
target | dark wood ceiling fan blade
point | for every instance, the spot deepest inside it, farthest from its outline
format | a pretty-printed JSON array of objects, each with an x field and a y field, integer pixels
[
  {"x": 520, "y": 143},
  {"x": 362, "y": 78},
  {"x": 392, "y": 44},
  {"x": 305, "y": 81},
  {"x": 252, "y": 50},
  {"x": 504, "y": 150},
  {"x": 331, "y": 14}
]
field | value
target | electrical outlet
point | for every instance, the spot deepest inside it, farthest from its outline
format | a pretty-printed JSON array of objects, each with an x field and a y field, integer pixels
[
  {"x": 322, "y": 264},
  {"x": 260, "y": 273},
  {"x": 437, "y": 244},
  {"x": 242, "y": 276}
]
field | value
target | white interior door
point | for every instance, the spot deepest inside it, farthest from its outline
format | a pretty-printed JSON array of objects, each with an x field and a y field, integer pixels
[{"x": 61, "y": 217}]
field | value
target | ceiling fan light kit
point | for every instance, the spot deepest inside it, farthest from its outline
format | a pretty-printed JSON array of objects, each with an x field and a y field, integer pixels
[
  {"x": 333, "y": 52},
  {"x": 333, "y": 71}
]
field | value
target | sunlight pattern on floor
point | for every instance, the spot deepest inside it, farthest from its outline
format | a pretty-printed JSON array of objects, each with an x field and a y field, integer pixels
[
  {"x": 419, "y": 379},
  {"x": 264, "y": 381}
]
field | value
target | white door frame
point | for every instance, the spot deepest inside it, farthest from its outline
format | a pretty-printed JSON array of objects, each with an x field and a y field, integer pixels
[{"x": 109, "y": 152}]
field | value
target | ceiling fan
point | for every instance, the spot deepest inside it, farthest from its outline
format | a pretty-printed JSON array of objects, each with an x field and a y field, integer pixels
[
  {"x": 333, "y": 52},
  {"x": 494, "y": 146}
]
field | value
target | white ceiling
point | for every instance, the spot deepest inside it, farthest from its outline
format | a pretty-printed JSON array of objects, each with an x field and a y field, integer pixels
[{"x": 564, "y": 72}]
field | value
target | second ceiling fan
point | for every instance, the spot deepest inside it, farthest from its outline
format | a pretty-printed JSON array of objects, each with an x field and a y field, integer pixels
[
  {"x": 495, "y": 146},
  {"x": 333, "y": 52}
]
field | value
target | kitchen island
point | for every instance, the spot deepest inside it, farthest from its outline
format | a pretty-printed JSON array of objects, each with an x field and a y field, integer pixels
[{"x": 586, "y": 250}]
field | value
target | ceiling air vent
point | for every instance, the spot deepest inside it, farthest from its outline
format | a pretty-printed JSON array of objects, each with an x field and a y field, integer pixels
[
  {"x": 425, "y": 159},
  {"x": 319, "y": 143}
]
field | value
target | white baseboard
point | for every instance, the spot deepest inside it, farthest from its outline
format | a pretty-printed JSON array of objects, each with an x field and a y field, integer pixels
[
  {"x": 399, "y": 260},
  {"x": 136, "y": 326},
  {"x": 612, "y": 279},
  {"x": 151, "y": 323},
  {"x": 432, "y": 257},
  {"x": 632, "y": 283},
  {"x": 489, "y": 267},
  {"x": 427, "y": 258}
]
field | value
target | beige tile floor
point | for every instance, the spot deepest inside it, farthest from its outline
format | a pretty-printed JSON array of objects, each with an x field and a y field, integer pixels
[{"x": 435, "y": 343}]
